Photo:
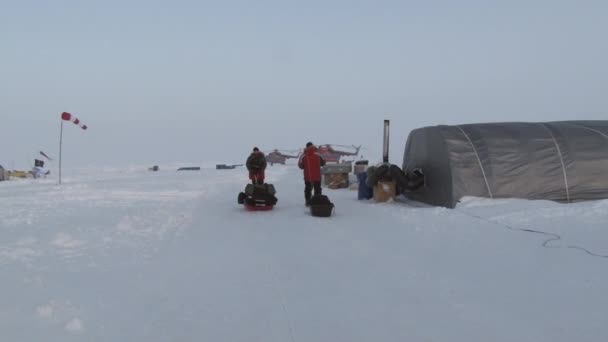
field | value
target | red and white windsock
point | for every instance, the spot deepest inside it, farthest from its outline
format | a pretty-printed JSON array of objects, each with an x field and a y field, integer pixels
[{"x": 69, "y": 117}]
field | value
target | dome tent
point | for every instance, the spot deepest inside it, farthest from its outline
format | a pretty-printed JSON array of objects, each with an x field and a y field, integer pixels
[{"x": 563, "y": 161}]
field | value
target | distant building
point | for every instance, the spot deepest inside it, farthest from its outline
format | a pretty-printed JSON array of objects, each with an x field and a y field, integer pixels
[{"x": 3, "y": 174}]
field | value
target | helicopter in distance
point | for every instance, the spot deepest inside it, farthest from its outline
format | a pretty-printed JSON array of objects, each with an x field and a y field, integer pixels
[
  {"x": 278, "y": 157},
  {"x": 331, "y": 155}
]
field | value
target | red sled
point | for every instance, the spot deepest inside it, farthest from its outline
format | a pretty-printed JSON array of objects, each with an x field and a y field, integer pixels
[
  {"x": 258, "y": 207},
  {"x": 257, "y": 204}
]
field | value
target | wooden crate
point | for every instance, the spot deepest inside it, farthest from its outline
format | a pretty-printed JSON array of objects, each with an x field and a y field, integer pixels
[
  {"x": 384, "y": 191},
  {"x": 336, "y": 180}
]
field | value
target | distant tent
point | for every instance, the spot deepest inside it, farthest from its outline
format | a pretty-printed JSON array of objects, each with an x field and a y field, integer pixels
[{"x": 561, "y": 161}]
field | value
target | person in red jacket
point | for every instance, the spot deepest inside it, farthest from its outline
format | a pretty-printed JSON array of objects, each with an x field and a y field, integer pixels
[
  {"x": 311, "y": 162},
  {"x": 256, "y": 164}
]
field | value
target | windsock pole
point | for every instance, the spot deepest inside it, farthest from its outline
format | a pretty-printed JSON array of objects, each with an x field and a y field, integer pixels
[
  {"x": 65, "y": 116},
  {"x": 60, "y": 148}
]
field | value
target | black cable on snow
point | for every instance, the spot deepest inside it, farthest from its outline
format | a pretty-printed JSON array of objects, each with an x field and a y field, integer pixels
[{"x": 554, "y": 237}]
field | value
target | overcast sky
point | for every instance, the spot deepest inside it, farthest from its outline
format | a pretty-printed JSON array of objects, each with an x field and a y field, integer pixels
[{"x": 172, "y": 81}]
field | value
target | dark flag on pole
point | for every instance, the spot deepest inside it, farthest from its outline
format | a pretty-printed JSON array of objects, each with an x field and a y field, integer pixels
[{"x": 45, "y": 156}]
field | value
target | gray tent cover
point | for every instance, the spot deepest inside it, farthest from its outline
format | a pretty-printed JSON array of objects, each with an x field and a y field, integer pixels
[{"x": 563, "y": 161}]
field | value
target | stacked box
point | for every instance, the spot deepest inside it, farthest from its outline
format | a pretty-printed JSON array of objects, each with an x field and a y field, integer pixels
[
  {"x": 336, "y": 180},
  {"x": 337, "y": 168},
  {"x": 361, "y": 166},
  {"x": 384, "y": 191},
  {"x": 335, "y": 176}
]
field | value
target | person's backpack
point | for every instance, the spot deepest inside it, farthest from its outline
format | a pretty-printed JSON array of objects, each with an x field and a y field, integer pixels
[{"x": 256, "y": 162}]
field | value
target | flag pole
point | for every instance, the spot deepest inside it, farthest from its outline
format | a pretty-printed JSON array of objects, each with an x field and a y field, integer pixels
[{"x": 60, "y": 147}]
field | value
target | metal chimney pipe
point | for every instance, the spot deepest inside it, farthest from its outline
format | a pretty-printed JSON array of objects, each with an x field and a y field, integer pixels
[{"x": 385, "y": 145}]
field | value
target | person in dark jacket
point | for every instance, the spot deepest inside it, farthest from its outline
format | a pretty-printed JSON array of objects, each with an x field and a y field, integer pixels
[
  {"x": 311, "y": 162},
  {"x": 256, "y": 164}
]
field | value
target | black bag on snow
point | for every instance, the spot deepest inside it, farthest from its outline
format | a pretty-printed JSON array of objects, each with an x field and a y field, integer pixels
[
  {"x": 376, "y": 174},
  {"x": 321, "y": 206}
]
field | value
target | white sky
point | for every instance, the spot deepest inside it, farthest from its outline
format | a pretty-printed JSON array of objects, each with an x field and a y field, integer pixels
[{"x": 160, "y": 82}]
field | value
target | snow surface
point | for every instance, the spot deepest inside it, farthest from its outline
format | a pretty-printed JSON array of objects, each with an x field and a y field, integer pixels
[{"x": 132, "y": 255}]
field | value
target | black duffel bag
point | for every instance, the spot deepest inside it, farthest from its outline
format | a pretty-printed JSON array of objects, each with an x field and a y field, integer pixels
[{"x": 321, "y": 206}]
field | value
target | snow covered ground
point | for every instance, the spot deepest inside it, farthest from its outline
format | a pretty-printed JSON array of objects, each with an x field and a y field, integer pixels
[{"x": 131, "y": 255}]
